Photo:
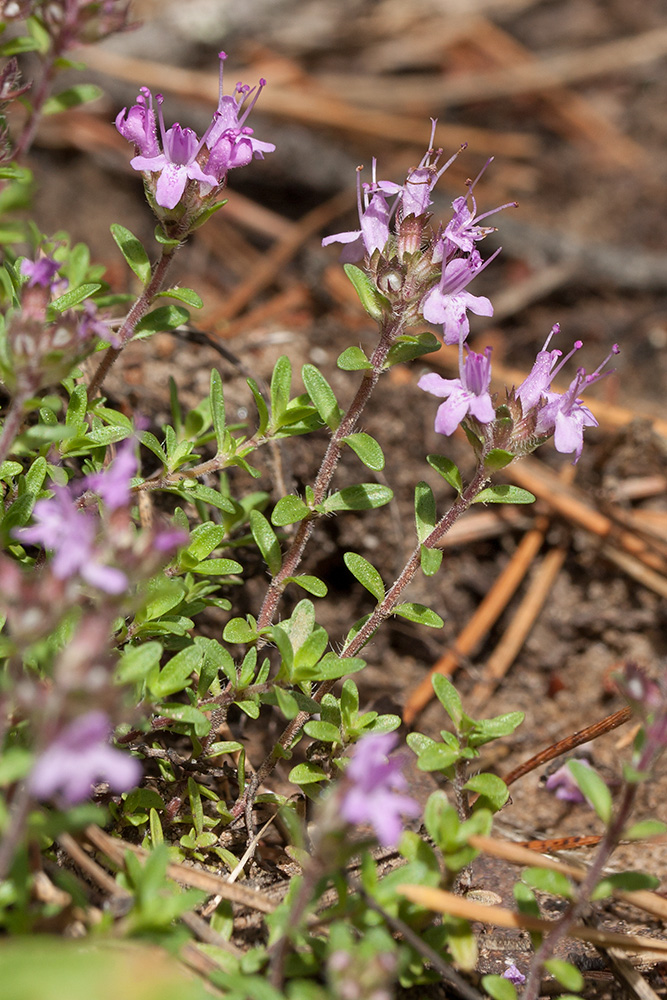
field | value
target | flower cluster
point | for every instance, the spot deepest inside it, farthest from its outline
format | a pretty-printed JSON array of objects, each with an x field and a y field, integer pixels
[
  {"x": 64, "y": 525},
  {"x": 181, "y": 169},
  {"x": 423, "y": 273},
  {"x": 374, "y": 786},
  {"x": 537, "y": 412}
]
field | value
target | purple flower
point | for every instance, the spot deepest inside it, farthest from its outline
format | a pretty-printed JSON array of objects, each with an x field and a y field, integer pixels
[
  {"x": 566, "y": 416},
  {"x": 230, "y": 141},
  {"x": 563, "y": 785},
  {"x": 183, "y": 157},
  {"x": 70, "y": 534},
  {"x": 416, "y": 196},
  {"x": 41, "y": 271},
  {"x": 468, "y": 394},
  {"x": 514, "y": 975},
  {"x": 177, "y": 163},
  {"x": 562, "y": 414},
  {"x": 448, "y": 302},
  {"x": 374, "y": 218},
  {"x": 463, "y": 229},
  {"x": 537, "y": 383},
  {"x": 113, "y": 483},
  {"x": 373, "y": 789},
  {"x": 139, "y": 125},
  {"x": 79, "y": 757}
]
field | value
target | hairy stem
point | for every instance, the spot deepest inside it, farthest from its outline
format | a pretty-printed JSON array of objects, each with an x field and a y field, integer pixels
[
  {"x": 294, "y": 555},
  {"x": 136, "y": 313},
  {"x": 379, "y": 615}
]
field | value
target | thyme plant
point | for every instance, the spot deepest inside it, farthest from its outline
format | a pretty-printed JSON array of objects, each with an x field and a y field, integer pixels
[{"x": 114, "y": 702}]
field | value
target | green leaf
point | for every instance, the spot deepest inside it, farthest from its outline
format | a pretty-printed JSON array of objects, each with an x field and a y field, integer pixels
[
  {"x": 322, "y": 396},
  {"x": 138, "y": 662},
  {"x": 593, "y": 788},
  {"x": 206, "y": 494},
  {"x": 330, "y": 668},
  {"x": 545, "y": 880},
  {"x": 373, "y": 302},
  {"x": 166, "y": 241},
  {"x": 175, "y": 674},
  {"x": 163, "y": 318},
  {"x": 448, "y": 697},
  {"x": 36, "y": 474},
  {"x": 267, "y": 541},
  {"x": 239, "y": 630},
  {"x": 187, "y": 295},
  {"x": 492, "y": 729},
  {"x": 437, "y": 757},
  {"x": 281, "y": 381},
  {"x": 425, "y": 515},
  {"x": 218, "y": 408},
  {"x": 187, "y": 714},
  {"x": 80, "y": 93},
  {"x": 418, "y": 613},
  {"x": 325, "y": 732},
  {"x": 287, "y": 703},
  {"x": 626, "y": 882},
  {"x": 307, "y": 774},
  {"x": 492, "y": 790},
  {"x": 73, "y": 297},
  {"x": 76, "y": 409},
  {"x": 499, "y": 988},
  {"x": 311, "y": 584},
  {"x": 646, "y": 828},
  {"x": 367, "y": 449},
  {"x": 262, "y": 408},
  {"x": 16, "y": 46},
  {"x": 354, "y": 360},
  {"x": 365, "y": 496},
  {"x": 408, "y": 347},
  {"x": 365, "y": 573},
  {"x": 289, "y": 510},
  {"x": 504, "y": 493},
  {"x": 565, "y": 973},
  {"x": 430, "y": 560},
  {"x": 497, "y": 459},
  {"x": 204, "y": 539},
  {"x": 151, "y": 442},
  {"x": 446, "y": 468},
  {"x": 218, "y": 567},
  {"x": 9, "y": 470},
  {"x": 133, "y": 252}
]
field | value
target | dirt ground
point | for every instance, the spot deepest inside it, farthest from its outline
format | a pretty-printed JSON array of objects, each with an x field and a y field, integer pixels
[{"x": 586, "y": 160}]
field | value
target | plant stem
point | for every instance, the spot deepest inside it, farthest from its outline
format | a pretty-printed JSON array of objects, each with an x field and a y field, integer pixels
[
  {"x": 574, "y": 911},
  {"x": 136, "y": 313},
  {"x": 379, "y": 615},
  {"x": 324, "y": 476}
]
